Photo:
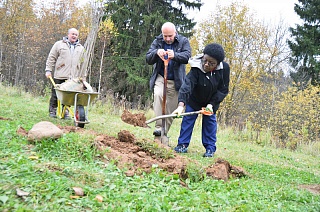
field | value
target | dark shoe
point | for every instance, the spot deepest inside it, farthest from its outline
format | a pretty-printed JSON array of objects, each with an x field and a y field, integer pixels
[
  {"x": 181, "y": 149},
  {"x": 53, "y": 112},
  {"x": 52, "y": 115},
  {"x": 66, "y": 114},
  {"x": 157, "y": 133},
  {"x": 208, "y": 153}
]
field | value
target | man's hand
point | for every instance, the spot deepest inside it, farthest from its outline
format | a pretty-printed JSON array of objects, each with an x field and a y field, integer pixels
[
  {"x": 161, "y": 53},
  {"x": 48, "y": 74},
  {"x": 209, "y": 108},
  {"x": 170, "y": 53},
  {"x": 178, "y": 111}
]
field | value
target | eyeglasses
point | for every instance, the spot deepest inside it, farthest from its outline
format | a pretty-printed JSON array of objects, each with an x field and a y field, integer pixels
[{"x": 204, "y": 61}]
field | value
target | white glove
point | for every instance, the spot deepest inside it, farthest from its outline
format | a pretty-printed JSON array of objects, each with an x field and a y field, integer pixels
[
  {"x": 48, "y": 74},
  {"x": 178, "y": 111},
  {"x": 209, "y": 108}
]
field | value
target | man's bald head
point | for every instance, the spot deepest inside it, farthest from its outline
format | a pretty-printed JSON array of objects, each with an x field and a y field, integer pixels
[{"x": 169, "y": 32}]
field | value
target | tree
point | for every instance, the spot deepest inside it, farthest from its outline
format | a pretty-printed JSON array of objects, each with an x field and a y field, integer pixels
[
  {"x": 305, "y": 46},
  {"x": 27, "y": 32},
  {"x": 14, "y": 38},
  {"x": 256, "y": 55},
  {"x": 137, "y": 23}
]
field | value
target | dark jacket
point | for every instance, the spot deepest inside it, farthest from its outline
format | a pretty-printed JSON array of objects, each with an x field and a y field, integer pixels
[
  {"x": 182, "y": 53},
  {"x": 200, "y": 88}
]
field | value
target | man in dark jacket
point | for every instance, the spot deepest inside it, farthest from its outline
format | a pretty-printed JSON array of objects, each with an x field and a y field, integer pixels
[
  {"x": 176, "y": 48},
  {"x": 206, "y": 85}
]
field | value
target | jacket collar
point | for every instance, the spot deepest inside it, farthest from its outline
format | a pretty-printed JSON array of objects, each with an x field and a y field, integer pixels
[
  {"x": 196, "y": 63},
  {"x": 66, "y": 40}
]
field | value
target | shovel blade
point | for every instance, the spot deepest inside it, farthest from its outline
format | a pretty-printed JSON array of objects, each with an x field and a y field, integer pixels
[{"x": 163, "y": 139}]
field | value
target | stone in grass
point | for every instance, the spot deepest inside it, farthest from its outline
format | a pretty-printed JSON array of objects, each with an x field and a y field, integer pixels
[{"x": 43, "y": 130}]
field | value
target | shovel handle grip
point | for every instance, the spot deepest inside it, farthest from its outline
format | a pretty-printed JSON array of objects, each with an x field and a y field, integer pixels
[{"x": 166, "y": 61}]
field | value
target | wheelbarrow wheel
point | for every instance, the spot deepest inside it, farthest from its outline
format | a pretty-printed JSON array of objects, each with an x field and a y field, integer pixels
[{"x": 80, "y": 116}]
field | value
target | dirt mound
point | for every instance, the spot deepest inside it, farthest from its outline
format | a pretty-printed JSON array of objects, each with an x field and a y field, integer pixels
[
  {"x": 222, "y": 170},
  {"x": 21, "y": 131},
  {"x": 315, "y": 189},
  {"x": 142, "y": 156},
  {"x": 126, "y": 152},
  {"x": 134, "y": 119},
  {"x": 4, "y": 118}
]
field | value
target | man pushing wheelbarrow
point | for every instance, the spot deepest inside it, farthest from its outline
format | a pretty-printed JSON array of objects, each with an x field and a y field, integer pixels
[
  {"x": 169, "y": 51},
  {"x": 67, "y": 60},
  {"x": 64, "y": 62}
]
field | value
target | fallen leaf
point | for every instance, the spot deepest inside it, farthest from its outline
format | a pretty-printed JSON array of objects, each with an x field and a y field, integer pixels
[
  {"x": 78, "y": 191},
  {"x": 183, "y": 184},
  {"x": 99, "y": 198},
  {"x": 21, "y": 193},
  {"x": 33, "y": 157},
  {"x": 74, "y": 197},
  {"x": 129, "y": 173},
  {"x": 21, "y": 131}
]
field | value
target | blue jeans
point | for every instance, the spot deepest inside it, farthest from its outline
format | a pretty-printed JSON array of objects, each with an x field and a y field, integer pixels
[{"x": 209, "y": 130}]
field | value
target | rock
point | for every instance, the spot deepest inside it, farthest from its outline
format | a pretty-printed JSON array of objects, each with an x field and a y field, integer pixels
[{"x": 44, "y": 130}]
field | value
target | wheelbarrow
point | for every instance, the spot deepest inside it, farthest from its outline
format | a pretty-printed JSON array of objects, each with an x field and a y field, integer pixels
[{"x": 80, "y": 101}]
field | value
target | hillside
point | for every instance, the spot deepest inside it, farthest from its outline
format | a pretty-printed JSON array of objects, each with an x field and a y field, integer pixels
[{"x": 119, "y": 167}]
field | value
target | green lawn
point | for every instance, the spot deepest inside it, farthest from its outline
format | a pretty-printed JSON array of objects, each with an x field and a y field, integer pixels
[{"x": 48, "y": 170}]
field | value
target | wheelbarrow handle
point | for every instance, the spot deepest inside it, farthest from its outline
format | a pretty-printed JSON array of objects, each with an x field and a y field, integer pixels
[{"x": 52, "y": 81}]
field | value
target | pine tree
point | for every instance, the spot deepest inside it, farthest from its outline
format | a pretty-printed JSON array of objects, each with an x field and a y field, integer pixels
[{"x": 305, "y": 49}]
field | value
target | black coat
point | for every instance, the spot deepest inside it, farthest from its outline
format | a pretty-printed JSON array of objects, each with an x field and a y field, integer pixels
[
  {"x": 200, "y": 88},
  {"x": 182, "y": 53}
]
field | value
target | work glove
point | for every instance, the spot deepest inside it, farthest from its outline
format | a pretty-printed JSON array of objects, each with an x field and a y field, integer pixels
[
  {"x": 48, "y": 74},
  {"x": 209, "y": 108},
  {"x": 178, "y": 111}
]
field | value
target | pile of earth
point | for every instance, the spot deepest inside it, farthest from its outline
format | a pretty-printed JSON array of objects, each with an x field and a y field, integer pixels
[
  {"x": 129, "y": 154},
  {"x": 140, "y": 156},
  {"x": 137, "y": 119}
]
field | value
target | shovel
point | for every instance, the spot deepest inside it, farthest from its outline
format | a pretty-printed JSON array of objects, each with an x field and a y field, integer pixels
[
  {"x": 164, "y": 139},
  {"x": 203, "y": 111}
]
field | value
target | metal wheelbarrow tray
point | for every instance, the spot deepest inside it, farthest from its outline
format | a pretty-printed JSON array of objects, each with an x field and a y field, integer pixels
[
  {"x": 75, "y": 97},
  {"x": 78, "y": 100}
]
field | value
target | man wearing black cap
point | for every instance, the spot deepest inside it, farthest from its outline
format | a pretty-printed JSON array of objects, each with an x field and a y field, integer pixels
[{"x": 206, "y": 85}]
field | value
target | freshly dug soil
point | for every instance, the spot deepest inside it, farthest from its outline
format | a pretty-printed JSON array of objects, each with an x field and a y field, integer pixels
[{"x": 134, "y": 119}]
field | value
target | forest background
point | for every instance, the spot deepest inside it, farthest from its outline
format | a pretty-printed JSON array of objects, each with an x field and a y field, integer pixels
[{"x": 274, "y": 88}]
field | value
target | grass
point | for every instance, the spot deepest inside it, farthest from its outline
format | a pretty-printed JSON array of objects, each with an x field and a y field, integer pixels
[{"x": 48, "y": 170}]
